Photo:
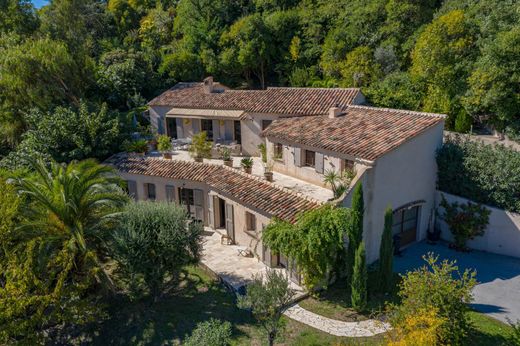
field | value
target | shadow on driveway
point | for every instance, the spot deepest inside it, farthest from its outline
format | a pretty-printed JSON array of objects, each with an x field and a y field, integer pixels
[{"x": 498, "y": 291}]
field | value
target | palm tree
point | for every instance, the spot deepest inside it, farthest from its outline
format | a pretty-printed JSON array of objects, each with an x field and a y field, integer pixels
[{"x": 70, "y": 207}]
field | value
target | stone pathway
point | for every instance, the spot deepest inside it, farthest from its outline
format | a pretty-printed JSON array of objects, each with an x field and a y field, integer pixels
[{"x": 335, "y": 327}]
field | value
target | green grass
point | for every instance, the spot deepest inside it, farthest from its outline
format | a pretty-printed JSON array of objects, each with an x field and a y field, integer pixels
[
  {"x": 200, "y": 298},
  {"x": 488, "y": 331},
  {"x": 335, "y": 301}
]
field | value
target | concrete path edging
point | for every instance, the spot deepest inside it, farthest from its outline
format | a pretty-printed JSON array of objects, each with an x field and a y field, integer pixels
[{"x": 338, "y": 328}]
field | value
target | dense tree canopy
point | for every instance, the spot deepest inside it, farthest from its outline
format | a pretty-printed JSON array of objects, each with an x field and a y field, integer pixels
[{"x": 455, "y": 56}]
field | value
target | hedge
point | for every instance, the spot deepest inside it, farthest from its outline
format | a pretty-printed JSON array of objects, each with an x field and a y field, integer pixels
[{"x": 484, "y": 173}]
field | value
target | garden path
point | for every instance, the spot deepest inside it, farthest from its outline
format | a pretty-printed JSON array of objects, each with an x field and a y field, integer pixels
[{"x": 338, "y": 328}]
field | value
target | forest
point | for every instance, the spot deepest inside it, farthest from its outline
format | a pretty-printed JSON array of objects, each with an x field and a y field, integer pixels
[{"x": 73, "y": 73}]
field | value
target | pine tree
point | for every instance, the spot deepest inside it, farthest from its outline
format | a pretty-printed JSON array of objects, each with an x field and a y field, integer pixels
[
  {"x": 355, "y": 232},
  {"x": 359, "y": 280},
  {"x": 386, "y": 254}
]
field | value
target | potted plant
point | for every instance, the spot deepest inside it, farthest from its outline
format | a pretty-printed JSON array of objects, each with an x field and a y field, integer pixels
[
  {"x": 226, "y": 156},
  {"x": 200, "y": 147},
  {"x": 268, "y": 171},
  {"x": 247, "y": 164},
  {"x": 139, "y": 146},
  {"x": 263, "y": 152},
  {"x": 164, "y": 145}
]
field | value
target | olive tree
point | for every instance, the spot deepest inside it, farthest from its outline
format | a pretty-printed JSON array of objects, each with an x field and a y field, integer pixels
[{"x": 154, "y": 242}]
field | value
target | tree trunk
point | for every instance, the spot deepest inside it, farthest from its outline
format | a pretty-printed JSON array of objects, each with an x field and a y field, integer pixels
[{"x": 272, "y": 336}]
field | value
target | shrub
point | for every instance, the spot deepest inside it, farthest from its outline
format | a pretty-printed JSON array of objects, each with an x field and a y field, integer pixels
[
  {"x": 440, "y": 286},
  {"x": 246, "y": 162},
  {"x": 315, "y": 242},
  {"x": 359, "y": 280},
  {"x": 154, "y": 241},
  {"x": 487, "y": 174},
  {"x": 164, "y": 143},
  {"x": 200, "y": 147},
  {"x": 466, "y": 220},
  {"x": 339, "y": 182},
  {"x": 420, "y": 329},
  {"x": 355, "y": 232},
  {"x": 386, "y": 254},
  {"x": 212, "y": 332},
  {"x": 139, "y": 146},
  {"x": 267, "y": 300},
  {"x": 515, "y": 335},
  {"x": 263, "y": 152}
]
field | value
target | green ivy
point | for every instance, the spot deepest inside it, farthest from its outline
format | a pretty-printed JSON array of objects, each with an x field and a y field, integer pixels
[{"x": 315, "y": 241}]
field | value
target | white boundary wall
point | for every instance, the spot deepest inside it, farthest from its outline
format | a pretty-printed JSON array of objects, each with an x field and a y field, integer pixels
[{"x": 502, "y": 235}]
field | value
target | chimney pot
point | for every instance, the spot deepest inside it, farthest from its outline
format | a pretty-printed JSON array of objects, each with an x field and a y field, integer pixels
[
  {"x": 334, "y": 112},
  {"x": 208, "y": 85}
]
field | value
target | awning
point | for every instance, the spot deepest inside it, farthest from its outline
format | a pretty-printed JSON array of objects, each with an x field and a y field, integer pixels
[{"x": 204, "y": 113}]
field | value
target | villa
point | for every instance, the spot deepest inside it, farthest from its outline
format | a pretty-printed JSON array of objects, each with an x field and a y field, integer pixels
[{"x": 308, "y": 133}]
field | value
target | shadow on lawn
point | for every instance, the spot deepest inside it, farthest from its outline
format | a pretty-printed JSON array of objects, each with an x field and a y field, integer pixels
[{"x": 172, "y": 318}]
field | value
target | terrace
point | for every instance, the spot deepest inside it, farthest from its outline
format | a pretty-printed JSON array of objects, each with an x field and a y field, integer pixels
[{"x": 304, "y": 188}]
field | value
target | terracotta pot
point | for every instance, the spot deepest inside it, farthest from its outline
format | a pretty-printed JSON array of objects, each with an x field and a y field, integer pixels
[
  {"x": 248, "y": 170},
  {"x": 167, "y": 156},
  {"x": 199, "y": 159},
  {"x": 268, "y": 176},
  {"x": 228, "y": 163}
]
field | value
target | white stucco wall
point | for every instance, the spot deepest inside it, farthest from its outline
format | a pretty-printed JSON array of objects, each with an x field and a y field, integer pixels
[
  {"x": 502, "y": 235},
  {"x": 157, "y": 116},
  {"x": 239, "y": 211},
  {"x": 287, "y": 165},
  {"x": 404, "y": 175},
  {"x": 251, "y": 127}
]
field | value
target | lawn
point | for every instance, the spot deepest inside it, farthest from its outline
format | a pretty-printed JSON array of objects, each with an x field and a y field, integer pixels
[
  {"x": 335, "y": 303},
  {"x": 200, "y": 298}
]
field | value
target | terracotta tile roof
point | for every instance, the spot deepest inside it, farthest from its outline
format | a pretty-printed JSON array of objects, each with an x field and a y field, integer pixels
[
  {"x": 295, "y": 101},
  {"x": 245, "y": 188},
  {"x": 362, "y": 132}
]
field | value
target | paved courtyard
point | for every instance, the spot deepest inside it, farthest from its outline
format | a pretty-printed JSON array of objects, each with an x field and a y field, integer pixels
[
  {"x": 226, "y": 262},
  {"x": 498, "y": 291}
]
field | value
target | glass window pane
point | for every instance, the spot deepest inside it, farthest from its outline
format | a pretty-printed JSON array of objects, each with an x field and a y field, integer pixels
[
  {"x": 409, "y": 225},
  {"x": 410, "y": 214},
  {"x": 397, "y": 218}
]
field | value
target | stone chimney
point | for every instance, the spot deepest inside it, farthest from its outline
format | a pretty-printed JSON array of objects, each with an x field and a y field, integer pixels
[
  {"x": 334, "y": 112},
  {"x": 208, "y": 85}
]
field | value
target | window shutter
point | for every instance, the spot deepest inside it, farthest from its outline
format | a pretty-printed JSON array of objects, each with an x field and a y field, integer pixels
[
  {"x": 198, "y": 198},
  {"x": 319, "y": 162},
  {"x": 297, "y": 157},
  {"x": 211, "y": 214},
  {"x": 132, "y": 189}
]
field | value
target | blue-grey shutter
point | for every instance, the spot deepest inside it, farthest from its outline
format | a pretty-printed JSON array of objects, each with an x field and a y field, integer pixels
[
  {"x": 297, "y": 157},
  {"x": 211, "y": 214},
  {"x": 132, "y": 189},
  {"x": 319, "y": 162}
]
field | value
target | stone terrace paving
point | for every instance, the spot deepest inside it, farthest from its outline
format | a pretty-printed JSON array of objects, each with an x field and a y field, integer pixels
[{"x": 315, "y": 192}]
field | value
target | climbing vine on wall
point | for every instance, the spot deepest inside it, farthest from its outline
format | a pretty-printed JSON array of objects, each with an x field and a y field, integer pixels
[{"x": 315, "y": 241}]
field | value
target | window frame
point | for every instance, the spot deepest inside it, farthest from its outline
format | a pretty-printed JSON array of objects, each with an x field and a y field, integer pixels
[
  {"x": 278, "y": 151},
  {"x": 305, "y": 159},
  {"x": 250, "y": 221},
  {"x": 170, "y": 193},
  {"x": 264, "y": 121},
  {"x": 209, "y": 132},
  {"x": 148, "y": 190}
]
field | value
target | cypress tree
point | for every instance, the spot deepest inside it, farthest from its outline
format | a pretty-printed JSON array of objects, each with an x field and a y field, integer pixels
[
  {"x": 355, "y": 232},
  {"x": 359, "y": 280},
  {"x": 386, "y": 254}
]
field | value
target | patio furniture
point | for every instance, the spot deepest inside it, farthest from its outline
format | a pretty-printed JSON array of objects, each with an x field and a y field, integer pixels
[
  {"x": 226, "y": 240},
  {"x": 244, "y": 251}
]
